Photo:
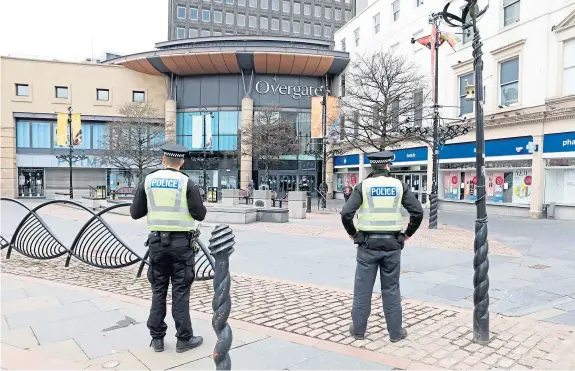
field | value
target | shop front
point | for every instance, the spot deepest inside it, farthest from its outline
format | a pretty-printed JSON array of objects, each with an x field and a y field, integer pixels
[
  {"x": 559, "y": 157},
  {"x": 508, "y": 173}
]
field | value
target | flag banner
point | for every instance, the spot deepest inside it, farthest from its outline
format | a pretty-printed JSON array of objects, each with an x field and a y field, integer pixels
[
  {"x": 208, "y": 132},
  {"x": 450, "y": 38},
  {"x": 62, "y": 130},
  {"x": 316, "y": 113},
  {"x": 333, "y": 114},
  {"x": 76, "y": 129},
  {"x": 197, "y": 132}
]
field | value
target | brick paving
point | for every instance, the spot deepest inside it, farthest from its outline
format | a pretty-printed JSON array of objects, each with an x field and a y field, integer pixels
[{"x": 439, "y": 336}]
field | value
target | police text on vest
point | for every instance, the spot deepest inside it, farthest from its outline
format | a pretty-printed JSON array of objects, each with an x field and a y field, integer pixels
[
  {"x": 165, "y": 183},
  {"x": 383, "y": 191}
]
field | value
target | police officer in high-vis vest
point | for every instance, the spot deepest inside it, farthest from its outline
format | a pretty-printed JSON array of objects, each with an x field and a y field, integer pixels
[
  {"x": 380, "y": 238},
  {"x": 173, "y": 205}
]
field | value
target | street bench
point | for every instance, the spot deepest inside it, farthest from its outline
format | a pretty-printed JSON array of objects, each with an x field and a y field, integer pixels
[{"x": 123, "y": 192}]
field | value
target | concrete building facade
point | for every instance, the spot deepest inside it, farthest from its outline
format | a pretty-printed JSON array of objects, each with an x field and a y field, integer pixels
[{"x": 528, "y": 56}]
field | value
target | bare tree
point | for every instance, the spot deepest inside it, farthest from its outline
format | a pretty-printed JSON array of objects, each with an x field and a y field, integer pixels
[
  {"x": 269, "y": 137},
  {"x": 133, "y": 141},
  {"x": 384, "y": 94}
]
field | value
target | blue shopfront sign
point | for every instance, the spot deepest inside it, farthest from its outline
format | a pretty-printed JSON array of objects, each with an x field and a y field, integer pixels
[
  {"x": 493, "y": 148},
  {"x": 349, "y": 160},
  {"x": 418, "y": 154},
  {"x": 559, "y": 142}
]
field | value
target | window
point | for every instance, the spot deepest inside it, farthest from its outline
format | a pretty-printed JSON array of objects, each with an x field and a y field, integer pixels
[
  {"x": 317, "y": 30},
  {"x": 22, "y": 134},
  {"x": 181, "y": 12},
  {"x": 465, "y": 106},
  {"x": 193, "y": 14},
  {"x": 295, "y": 27},
  {"x": 376, "y": 21},
  {"x": 230, "y": 2},
  {"x": 418, "y": 108},
  {"x": 103, "y": 94},
  {"x": 306, "y": 9},
  {"x": 253, "y": 3},
  {"x": 241, "y": 20},
  {"x": 218, "y": 17},
  {"x": 263, "y": 23},
  {"x": 264, "y": 4},
  {"x": 22, "y": 90},
  {"x": 342, "y": 85},
  {"x": 275, "y": 24},
  {"x": 139, "y": 96},
  {"x": 276, "y": 5},
  {"x": 296, "y": 8},
  {"x": 395, "y": 10},
  {"x": 205, "y": 15},
  {"x": 569, "y": 67},
  {"x": 509, "y": 81},
  {"x": 217, "y": 33},
  {"x": 307, "y": 28},
  {"x": 240, "y": 2},
  {"x": 193, "y": 33},
  {"x": 511, "y": 10},
  {"x": 317, "y": 11},
  {"x": 347, "y": 15},
  {"x": 205, "y": 33},
  {"x": 41, "y": 134},
  {"x": 253, "y": 21},
  {"x": 61, "y": 92},
  {"x": 342, "y": 45},
  {"x": 285, "y": 26},
  {"x": 180, "y": 32},
  {"x": 326, "y": 31},
  {"x": 230, "y": 18},
  {"x": 286, "y": 6},
  {"x": 338, "y": 14},
  {"x": 356, "y": 36},
  {"x": 327, "y": 13}
]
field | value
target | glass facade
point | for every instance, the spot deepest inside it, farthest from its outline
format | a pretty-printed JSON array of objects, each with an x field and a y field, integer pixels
[
  {"x": 42, "y": 135},
  {"x": 560, "y": 181},
  {"x": 220, "y": 134}
]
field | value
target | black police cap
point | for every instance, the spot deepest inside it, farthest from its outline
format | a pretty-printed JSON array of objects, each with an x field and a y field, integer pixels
[
  {"x": 383, "y": 157},
  {"x": 175, "y": 150}
]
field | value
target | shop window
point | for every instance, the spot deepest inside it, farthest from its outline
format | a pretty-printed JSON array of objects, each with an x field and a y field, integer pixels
[
  {"x": 40, "y": 134},
  {"x": 22, "y": 90},
  {"x": 343, "y": 179},
  {"x": 465, "y": 106},
  {"x": 22, "y": 134},
  {"x": 569, "y": 67},
  {"x": 98, "y": 132},
  {"x": 560, "y": 186},
  {"x": 30, "y": 182},
  {"x": 511, "y": 10},
  {"x": 509, "y": 82}
]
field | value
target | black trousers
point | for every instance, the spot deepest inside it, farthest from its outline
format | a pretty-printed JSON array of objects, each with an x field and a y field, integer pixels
[
  {"x": 383, "y": 255},
  {"x": 173, "y": 262}
]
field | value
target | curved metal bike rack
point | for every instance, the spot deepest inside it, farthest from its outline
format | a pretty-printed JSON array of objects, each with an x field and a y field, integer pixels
[{"x": 95, "y": 244}]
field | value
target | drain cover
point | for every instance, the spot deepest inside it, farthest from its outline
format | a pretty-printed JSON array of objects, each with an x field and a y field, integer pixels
[{"x": 111, "y": 364}]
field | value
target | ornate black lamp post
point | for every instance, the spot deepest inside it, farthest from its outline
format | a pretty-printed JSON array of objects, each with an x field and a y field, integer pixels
[
  {"x": 469, "y": 17},
  {"x": 205, "y": 148},
  {"x": 71, "y": 158}
]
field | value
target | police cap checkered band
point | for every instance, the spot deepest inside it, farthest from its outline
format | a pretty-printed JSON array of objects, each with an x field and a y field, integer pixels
[
  {"x": 175, "y": 155},
  {"x": 174, "y": 150},
  {"x": 380, "y": 161},
  {"x": 383, "y": 157}
]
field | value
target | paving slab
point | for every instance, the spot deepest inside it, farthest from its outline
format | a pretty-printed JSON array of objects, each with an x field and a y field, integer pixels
[
  {"x": 334, "y": 361},
  {"x": 567, "y": 306},
  {"x": 65, "y": 296},
  {"x": 22, "y": 337},
  {"x": 12, "y": 294},
  {"x": 566, "y": 318},
  {"x": 67, "y": 350},
  {"x": 19, "y": 359},
  {"x": 28, "y": 304},
  {"x": 119, "y": 361},
  {"x": 450, "y": 292},
  {"x": 46, "y": 315}
]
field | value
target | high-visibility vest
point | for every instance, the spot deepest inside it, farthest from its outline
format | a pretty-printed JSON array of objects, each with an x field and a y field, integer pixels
[
  {"x": 167, "y": 202},
  {"x": 381, "y": 207}
]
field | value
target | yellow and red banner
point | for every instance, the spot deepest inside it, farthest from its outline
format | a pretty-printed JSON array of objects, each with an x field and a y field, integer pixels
[
  {"x": 76, "y": 129},
  {"x": 62, "y": 130}
]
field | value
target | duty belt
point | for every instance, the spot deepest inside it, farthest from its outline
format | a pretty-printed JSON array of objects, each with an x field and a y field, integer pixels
[{"x": 382, "y": 235}]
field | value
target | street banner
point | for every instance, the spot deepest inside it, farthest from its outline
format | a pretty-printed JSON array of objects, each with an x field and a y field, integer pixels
[
  {"x": 62, "y": 130},
  {"x": 197, "y": 132},
  {"x": 208, "y": 132},
  {"x": 76, "y": 129},
  {"x": 332, "y": 117},
  {"x": 433, "y": 51}
]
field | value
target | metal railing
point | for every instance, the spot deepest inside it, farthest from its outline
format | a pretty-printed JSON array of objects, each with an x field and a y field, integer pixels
[
  {"x": 95, "y": 244},
  {"x": 329, "y": 203}
]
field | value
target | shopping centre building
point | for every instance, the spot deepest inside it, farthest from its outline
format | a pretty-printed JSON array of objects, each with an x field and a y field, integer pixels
[
  {"x": 204, "y": 88},
  {"x": 529, "y": 88}
]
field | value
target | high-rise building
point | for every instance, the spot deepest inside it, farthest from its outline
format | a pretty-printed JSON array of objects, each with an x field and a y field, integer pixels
[{"x": 311, "y": 19}]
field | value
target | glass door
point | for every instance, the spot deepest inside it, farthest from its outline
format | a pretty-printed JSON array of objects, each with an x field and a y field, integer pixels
[{"x": 30, "y": 182}]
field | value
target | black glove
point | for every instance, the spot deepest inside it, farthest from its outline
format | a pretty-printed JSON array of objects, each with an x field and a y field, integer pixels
[
  {"x": 359, "y": 238},
  {"x": 401, "y": 240}
]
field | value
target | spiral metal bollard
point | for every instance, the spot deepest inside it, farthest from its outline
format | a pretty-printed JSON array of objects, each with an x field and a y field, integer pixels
[
  {"x": 221, "y": 247},
  {"x": 433, "y": 206}
]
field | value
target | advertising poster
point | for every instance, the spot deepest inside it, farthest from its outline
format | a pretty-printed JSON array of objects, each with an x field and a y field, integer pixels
[
  {"x": 470, "y": 184},
  {"x": 62, "y": 130},
  {"x": 494, "y": 185},
  {"x": 522, "y": 180},
  {"x": 451, "y": 186},
  {"x": 332, "y": 115},
  {"x": 77, "y": 129}
]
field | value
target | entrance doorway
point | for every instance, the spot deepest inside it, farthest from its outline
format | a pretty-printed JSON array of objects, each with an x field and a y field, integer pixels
[
  {"x": 283, "y": 182},
  {"x": 416, "y": 182},
  {"x": 31, "y": 182}
]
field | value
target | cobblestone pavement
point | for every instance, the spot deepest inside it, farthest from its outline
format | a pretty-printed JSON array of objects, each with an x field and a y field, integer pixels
[{"x": 439, "y": 336}]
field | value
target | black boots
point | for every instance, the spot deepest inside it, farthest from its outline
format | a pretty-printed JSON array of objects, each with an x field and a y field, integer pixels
[
  {"x": 354, "y": 335},
  {"x": 194, "y": 342},
  {"x": 157, "y": 345},
  {"x": 401, "y": 337}
]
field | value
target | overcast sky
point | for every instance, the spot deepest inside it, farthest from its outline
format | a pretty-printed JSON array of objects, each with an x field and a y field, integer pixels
[{"x": 71, "y": 29}]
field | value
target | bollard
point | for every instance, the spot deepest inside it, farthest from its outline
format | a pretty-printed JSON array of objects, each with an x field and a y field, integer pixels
[
  {"x": 308, "y": 203},
  {"x": 221, "y": 247}
]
